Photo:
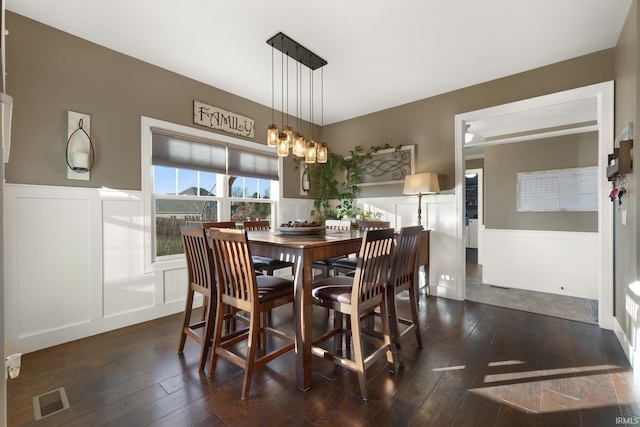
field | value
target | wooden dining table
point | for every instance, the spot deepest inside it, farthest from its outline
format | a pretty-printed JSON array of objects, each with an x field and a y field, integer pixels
[{"x": 303, "y": 250}]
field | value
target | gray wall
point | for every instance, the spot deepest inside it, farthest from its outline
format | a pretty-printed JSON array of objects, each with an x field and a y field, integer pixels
[
  {"x": 429, "y": 123},
  {"x": 51, "y": 72},
  {"x": 502, "y": 164}
]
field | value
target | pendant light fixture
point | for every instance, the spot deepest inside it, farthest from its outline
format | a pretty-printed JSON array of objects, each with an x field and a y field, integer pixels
[
  {"x": 310, "y": 149},
  {"x": 287, "y": 138},
  {"x": 321, "y": 149}
]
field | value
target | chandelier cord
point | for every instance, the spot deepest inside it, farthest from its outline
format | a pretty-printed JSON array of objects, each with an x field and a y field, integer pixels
[
  {"x": 282, "y": 84},
  {"x": 321, "y": 103},
  {"x": 311, "y": 102},
  {"x": 273, "y": 113}
]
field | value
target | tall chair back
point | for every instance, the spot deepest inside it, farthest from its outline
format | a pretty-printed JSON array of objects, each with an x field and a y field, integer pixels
[
  {"x": 404, "y": 264},
  {"x": 257, "y": 225},
  {"x": 337, "y": 225},
  {"x": 347, "y": 265},
  {"x": 373, "y": 225},
  {"x": 200, "y": 268},
  {"x": 219, "y": 224},
  {"x": 372, "y": 271},
  {"x": 235, "y": 275}
]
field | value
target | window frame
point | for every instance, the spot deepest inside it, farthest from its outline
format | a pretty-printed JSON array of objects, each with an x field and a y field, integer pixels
[{"x": 168, "y": 262}]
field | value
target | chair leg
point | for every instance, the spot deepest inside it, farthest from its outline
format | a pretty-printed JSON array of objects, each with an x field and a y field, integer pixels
[
  {"x": 359, "y": 356},
  {"x": 394, "y": 330},
  {"x": 337, "y": 338},
  {"x": 393, "y": 353},
  {"x": 413, "y": 300},
  {"x": 264, "y": 322},
  {"x": 217, "y": 337},
  {"x": 208, "y": 332},
  {"x": 205, "y": 303},
  {"x": 186, "y": 321},
  {"x": 254, "y": 331}
]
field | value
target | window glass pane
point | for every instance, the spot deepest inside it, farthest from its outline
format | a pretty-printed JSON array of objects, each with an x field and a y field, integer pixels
[
  {"x": 187, "y": 182},
  {"x": 251, "y": 188},
  {"x": 208, "y": 183},
  {"x": 164, "y": 180},
  {"x": 265, "y": 188},
  {"x": 236, "y": 186},
  {"x": 171, "y": 214},
  {"x": 250, "y": 211}
]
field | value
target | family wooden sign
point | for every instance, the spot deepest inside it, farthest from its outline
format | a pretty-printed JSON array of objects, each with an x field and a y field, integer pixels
[{"x": 217, "y": 118}]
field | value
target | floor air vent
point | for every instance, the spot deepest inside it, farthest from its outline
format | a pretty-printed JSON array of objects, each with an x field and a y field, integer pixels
[{"x": 50, "y": 403}]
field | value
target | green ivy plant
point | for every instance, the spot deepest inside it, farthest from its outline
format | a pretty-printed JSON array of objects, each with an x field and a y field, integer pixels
[{"x": 326, "y": 186}]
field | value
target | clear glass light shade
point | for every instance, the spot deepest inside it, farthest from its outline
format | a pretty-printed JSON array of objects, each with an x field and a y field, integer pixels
[
  {"x": 299, "y": 145},
  {"x": 310, "y": 154},
  {"x": 288, "y": 130},
  {"x": 272, "y": 136},
  {"x": 322, "y": 153},
  {"x": 283, "y": 145}
]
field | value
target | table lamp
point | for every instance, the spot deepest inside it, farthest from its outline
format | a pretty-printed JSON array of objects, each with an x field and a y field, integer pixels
[{"x": 421, "y": 183}]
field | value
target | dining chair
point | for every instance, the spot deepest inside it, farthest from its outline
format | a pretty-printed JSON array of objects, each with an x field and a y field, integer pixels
[
  {"x": 331, "y": 226},
  {"x": 403, "y": 277},
  {"x": 219, "y": 224},
  {"x": 200, "y": 268},
  {"x": 239, "y": 287},
  {"x": 355, "y": 297},
  {"x": 265, "y": 264},
  {"x": 348, "y": 264}
]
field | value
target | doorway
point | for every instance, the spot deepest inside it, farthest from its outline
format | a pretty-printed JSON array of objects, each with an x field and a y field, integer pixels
[{"x": 537, "y": 118}]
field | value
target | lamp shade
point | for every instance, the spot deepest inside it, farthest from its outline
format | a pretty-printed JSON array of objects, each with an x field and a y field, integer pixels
[{"x": 421, "y": 183}]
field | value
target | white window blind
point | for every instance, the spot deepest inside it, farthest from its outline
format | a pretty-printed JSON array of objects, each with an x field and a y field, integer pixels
[{"x": 187, "y": 152}]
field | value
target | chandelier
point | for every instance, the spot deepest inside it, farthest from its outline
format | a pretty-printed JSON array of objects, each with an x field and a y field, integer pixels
[{"x": 285, "y": 139}]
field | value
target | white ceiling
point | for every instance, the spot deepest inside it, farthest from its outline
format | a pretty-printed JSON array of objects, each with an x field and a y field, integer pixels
[{"x": 380, "y": 54}]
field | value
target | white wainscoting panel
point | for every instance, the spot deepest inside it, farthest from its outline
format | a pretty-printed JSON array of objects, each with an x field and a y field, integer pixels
[
  {"x": 175, "y": 284},
  {"x": 74, "y": 268},
  {"x": 441, "y": 217},
  {"x": 53, "y": 264},
  {"x": 294, "y": 209},
  {"x": 546, "y": 261},
  {"x": 126, "y": 286}
]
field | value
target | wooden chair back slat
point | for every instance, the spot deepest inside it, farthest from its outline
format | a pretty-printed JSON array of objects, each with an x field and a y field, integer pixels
[
  {"x": 219, "y": 224},
  {"x": 200, "y": 265},
  {"x": 373, "y": 266},
  {"x": 337, "y": 224},
  {"x": 404, "y": 264},
  {"x": 234, "y": 268},
  {"x": 373, "y": 225},
  {"x": 257, "y": 225}
]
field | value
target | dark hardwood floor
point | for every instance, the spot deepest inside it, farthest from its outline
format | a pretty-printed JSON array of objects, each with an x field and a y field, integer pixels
[{"x": 480, "y": 365}]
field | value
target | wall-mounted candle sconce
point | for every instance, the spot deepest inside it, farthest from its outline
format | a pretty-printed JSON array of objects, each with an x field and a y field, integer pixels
[
  {"x": 305, "y": 179},
  {"x": 80, "y": 155}
]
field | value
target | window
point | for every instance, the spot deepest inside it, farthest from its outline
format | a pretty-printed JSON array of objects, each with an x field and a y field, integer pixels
[
  {"x": 241, "y": 188},
  {"x": 192, "y": 176},
  {"x": 181, "y": 196}
]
